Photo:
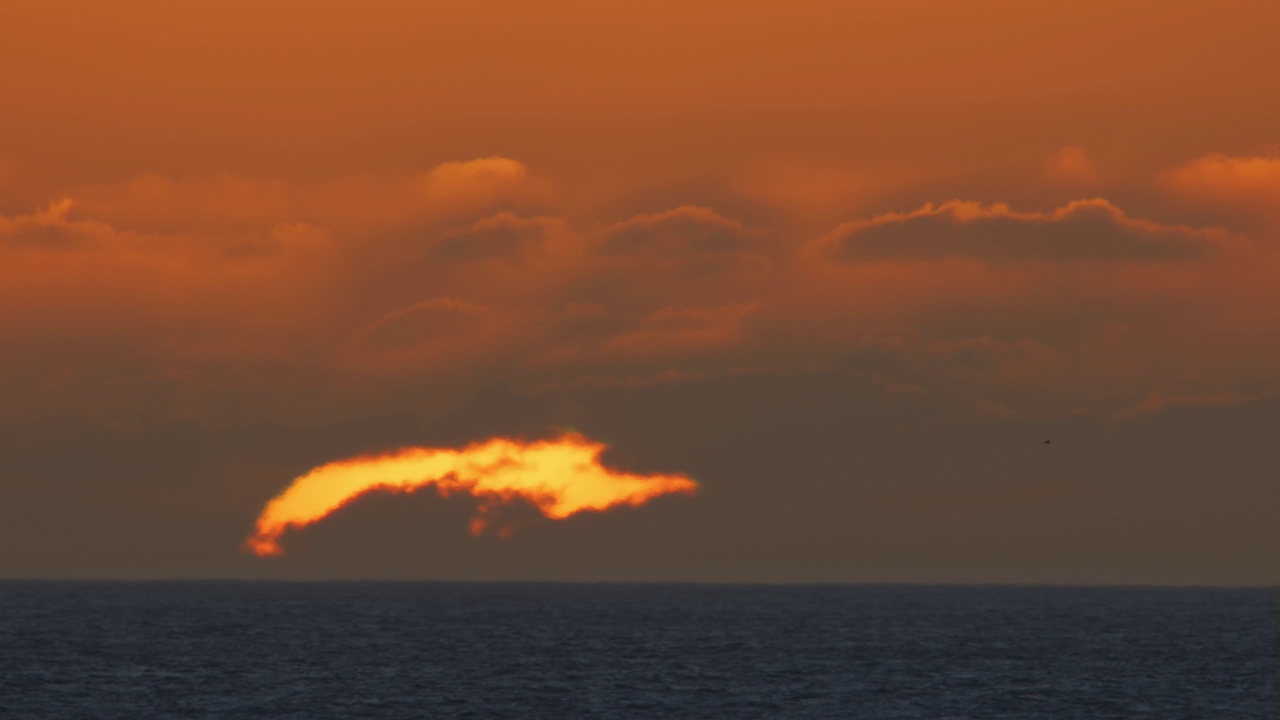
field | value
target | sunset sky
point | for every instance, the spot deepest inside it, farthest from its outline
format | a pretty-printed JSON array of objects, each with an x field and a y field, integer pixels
[{"x": 847, "y": 264}]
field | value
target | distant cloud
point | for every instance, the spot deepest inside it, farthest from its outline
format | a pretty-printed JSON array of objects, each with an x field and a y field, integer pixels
[
  {"x": 677, "y": 331},
  {"x": 1084, "y": 230},
  {"x": 504, "y": 236},
  {"x": 1241, "y": 182},
  {"x": 1156, "y": 402},
  {"x": 197, "y": 296},
  {"x": 472, "y": 185},
  {"x": 686, "y": 256},
  {"x": 1070, "y": 166},
  {"x": 152, "y": 202}
]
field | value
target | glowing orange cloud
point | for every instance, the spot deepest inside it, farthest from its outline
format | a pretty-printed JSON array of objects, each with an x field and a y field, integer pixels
[{"x": 560, "y": 477}]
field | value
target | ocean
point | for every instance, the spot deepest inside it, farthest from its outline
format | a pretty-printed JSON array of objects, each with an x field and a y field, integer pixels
[{"x": 492, "y": 650}]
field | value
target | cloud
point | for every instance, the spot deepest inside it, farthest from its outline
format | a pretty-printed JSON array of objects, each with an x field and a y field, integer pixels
[
  {"x": 1070, "y": 166},
  {"x": 231, "y": 203},
  {"x": 46, "y": 229},
  {"x": 476, "y": 184},
  {"x": 368, "y": 291},
  {"x": 1156, "y": 402},
  {"x": 99, "y": 319},
  {"x": 1247, "y": 183},
  {"x": 680, "y": 331},
  {"x": 429, "y": 338},
  {"x": 1081, "y": 231},
  {"x": 686, "y": 256},
  {"x": 684, "y": 229},
  {"x": 152, "y": 202},
  {"x": 984, "y": 357},
  {"x": 426, "y": 323},
  {"x": 504, "y": 236}
]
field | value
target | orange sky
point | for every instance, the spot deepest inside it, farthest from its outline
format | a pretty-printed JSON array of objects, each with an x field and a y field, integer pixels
[{"x": 309, "y": 213}]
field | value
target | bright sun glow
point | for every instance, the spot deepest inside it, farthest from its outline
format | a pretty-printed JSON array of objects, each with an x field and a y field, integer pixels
[{"x": 560, "y": 477}]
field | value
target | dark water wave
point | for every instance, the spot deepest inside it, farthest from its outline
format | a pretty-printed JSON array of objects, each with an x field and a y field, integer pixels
[{"x": 371, "y": 650}]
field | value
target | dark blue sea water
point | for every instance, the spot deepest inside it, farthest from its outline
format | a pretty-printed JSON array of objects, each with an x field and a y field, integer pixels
[{"x": 425, "y": 650}]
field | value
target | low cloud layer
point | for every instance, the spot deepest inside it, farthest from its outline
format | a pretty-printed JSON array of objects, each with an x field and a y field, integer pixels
[{"x": 228, "y": 297}]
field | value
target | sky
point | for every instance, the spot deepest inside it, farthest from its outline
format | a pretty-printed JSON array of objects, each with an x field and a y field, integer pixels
[{"x": 848, "y": 265}]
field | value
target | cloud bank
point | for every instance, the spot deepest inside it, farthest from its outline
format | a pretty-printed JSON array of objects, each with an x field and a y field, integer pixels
[{"x": 225, "y": 296}]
